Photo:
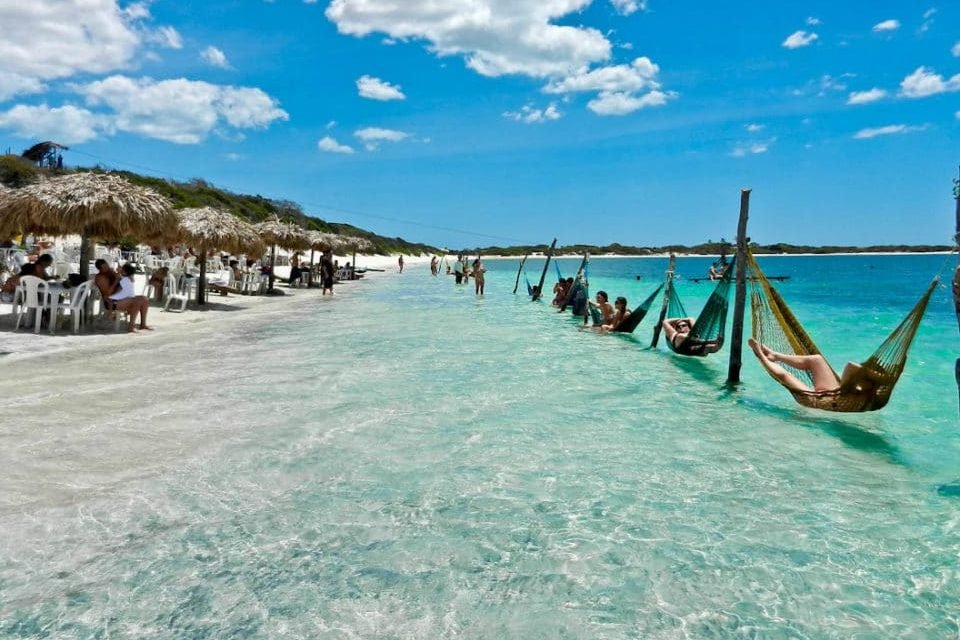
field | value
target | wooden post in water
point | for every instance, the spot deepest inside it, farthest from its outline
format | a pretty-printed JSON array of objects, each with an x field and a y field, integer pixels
[
  {"x": 543, "y": 276},
  {"x": 666, "y": 303},
  {"x": 956, "y": 276},
  {"x": 519, "y": 271},
  {"x": 740, "y": 297}
]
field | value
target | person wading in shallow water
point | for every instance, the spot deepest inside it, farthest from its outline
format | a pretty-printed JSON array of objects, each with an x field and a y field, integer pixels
[
  {"x": 326, "y": 272},
  {"x": 478, "y": 272},
  {"x": 400, "y": 262}
]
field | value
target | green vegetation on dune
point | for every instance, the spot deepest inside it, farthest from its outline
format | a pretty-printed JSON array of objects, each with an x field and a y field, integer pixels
[
  {"x": 17, "y": 172},
  {"x": 256, "y": 208}
]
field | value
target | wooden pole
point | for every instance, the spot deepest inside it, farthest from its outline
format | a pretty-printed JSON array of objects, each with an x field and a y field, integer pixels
[
  {"x": 85, "y": 250},
  {"x": 543, "y": 276},
  {"x": 740, "y": 297},
  {"x": 273, "y": 266},
  {"x": 666, "y": 302},
  {"x": 519, "y": 271},
  {"x": 569, "y": 298},
  {"x": 956, "y": 277},
  {"x": 202, "y": 283}
]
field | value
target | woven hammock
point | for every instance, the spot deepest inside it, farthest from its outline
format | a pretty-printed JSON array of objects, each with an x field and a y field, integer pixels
[
  {"x": 631, "y": 322},
  {"x": 708, "y": 331},
  {"x": 869, "y": 388}
]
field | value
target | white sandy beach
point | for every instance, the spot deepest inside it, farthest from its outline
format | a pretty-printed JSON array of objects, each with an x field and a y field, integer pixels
[{"x": 218, "y": 312}]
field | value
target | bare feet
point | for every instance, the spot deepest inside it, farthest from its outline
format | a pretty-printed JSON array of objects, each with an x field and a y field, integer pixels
[
  {"x": 144, "y": 327},
  {"x": 762, "y": 351}
]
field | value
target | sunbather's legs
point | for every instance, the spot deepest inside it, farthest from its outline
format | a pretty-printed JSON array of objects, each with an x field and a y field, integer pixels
[{"x": 823, "y": 377}]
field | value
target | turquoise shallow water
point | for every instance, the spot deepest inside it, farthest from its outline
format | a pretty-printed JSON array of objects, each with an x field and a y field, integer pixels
[{"x": 409, "y": 461}]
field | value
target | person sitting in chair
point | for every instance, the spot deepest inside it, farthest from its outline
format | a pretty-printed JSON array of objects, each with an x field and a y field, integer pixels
[
  {"x": 9, "y": 289},
  {"x": 106, "y": 279},
  {"x": 124, "y": 299}
]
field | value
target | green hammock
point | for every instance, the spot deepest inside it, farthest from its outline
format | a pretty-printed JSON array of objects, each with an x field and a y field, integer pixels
[
  {"x": 707, "y": 334},
  {"x": 869, "y": 389},
  {"x": 628, "y": 325}
]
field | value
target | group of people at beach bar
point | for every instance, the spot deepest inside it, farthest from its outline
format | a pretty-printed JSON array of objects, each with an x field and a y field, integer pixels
[{"x": 40, "y": 281}]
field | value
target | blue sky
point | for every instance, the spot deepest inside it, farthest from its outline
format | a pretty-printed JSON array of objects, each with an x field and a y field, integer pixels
[{"x": 473, "y": 122}]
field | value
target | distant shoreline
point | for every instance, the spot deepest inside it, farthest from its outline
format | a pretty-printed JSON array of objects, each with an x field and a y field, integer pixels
[{"x": 730, "y": 255}]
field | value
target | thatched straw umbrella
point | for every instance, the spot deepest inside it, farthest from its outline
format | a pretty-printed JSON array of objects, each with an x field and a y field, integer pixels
[
  {"x": 284, "y": 235},
  {"x": 207, "y": 229},
  {"x": 357, "y": 243},
  {"x": 94, "y": 205}
]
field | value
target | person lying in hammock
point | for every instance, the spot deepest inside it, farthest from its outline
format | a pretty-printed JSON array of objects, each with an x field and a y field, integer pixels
[
  {"x": 824, "y": 379},
  {"x": 678, "y": 331}
]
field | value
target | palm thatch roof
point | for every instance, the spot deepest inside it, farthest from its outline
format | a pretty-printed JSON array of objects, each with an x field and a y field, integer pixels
[
  {"x": 282, "y": 234},
  {"x": 96, "y": 205},
  {"x": 209, "y": 229}
]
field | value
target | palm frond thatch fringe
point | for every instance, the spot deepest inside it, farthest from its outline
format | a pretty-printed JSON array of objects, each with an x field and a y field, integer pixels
[
  {"x": 96, "y": 205},
  {"x": 282, "y": 234}
]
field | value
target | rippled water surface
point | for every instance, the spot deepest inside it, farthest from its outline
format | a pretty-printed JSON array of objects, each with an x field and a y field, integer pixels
[{"x": 410, "y": 461}]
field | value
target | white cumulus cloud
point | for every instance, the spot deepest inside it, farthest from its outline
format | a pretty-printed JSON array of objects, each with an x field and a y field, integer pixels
[
  {"x": 626, "y": 7},
  {"x": 638, "y": 75},
  {"x": 330, "y": 145},
  {"x": 799, "y": 39},
  {"x": 168, "y": 37},
  {"x": 955, "y": 50},
  {"x": 497, "y": 37},
  {"x": 216, "y": 57},
  {"x": 619, "y": 104},
  {"x": 865, "y": 97},
  {"x": 377, "y": 89},
  {"x": 892, "y": 129},
  {"x": 67, "y": 124},
  {"x": 622, "y": 88},
  {"x": 530, "y": 114},
  {"x": 48, "y": 40},
  {"x": 372, "y": 137},
  {"x": 12, "y": 84},
  {"x": 886, "y": 25},
  {"x": 752, "y": 148},
  {"x": 924, "y": 82},
  {"x": 535, "y": 38},
  {"x": 181, "y": 111},
  {"x": 754, "y": 127},
  {"x": 812, "y": 21}
]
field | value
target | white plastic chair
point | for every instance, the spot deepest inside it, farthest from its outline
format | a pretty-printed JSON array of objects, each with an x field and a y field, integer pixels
[
  {"x": 78, "y": 305},
  {"x": 174, "y": 294},
  {"x": 36, "y": 296}
]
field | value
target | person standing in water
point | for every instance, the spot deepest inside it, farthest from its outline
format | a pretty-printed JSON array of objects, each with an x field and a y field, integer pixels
[
  {"x": 478, "y": 272},
  {"x": 400, "y": 262}
]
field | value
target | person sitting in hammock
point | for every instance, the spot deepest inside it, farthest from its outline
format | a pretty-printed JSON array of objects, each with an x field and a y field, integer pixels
[
  {"x": 678, "y": 331},
  {"x": 603, "y": 305},
  {"x": 824, "y": 379},
  {"x": 621, "y": 313}
]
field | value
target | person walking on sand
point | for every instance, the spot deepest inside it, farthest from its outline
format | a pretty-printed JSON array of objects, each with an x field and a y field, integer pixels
[{"x": 400, "y": 262}]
